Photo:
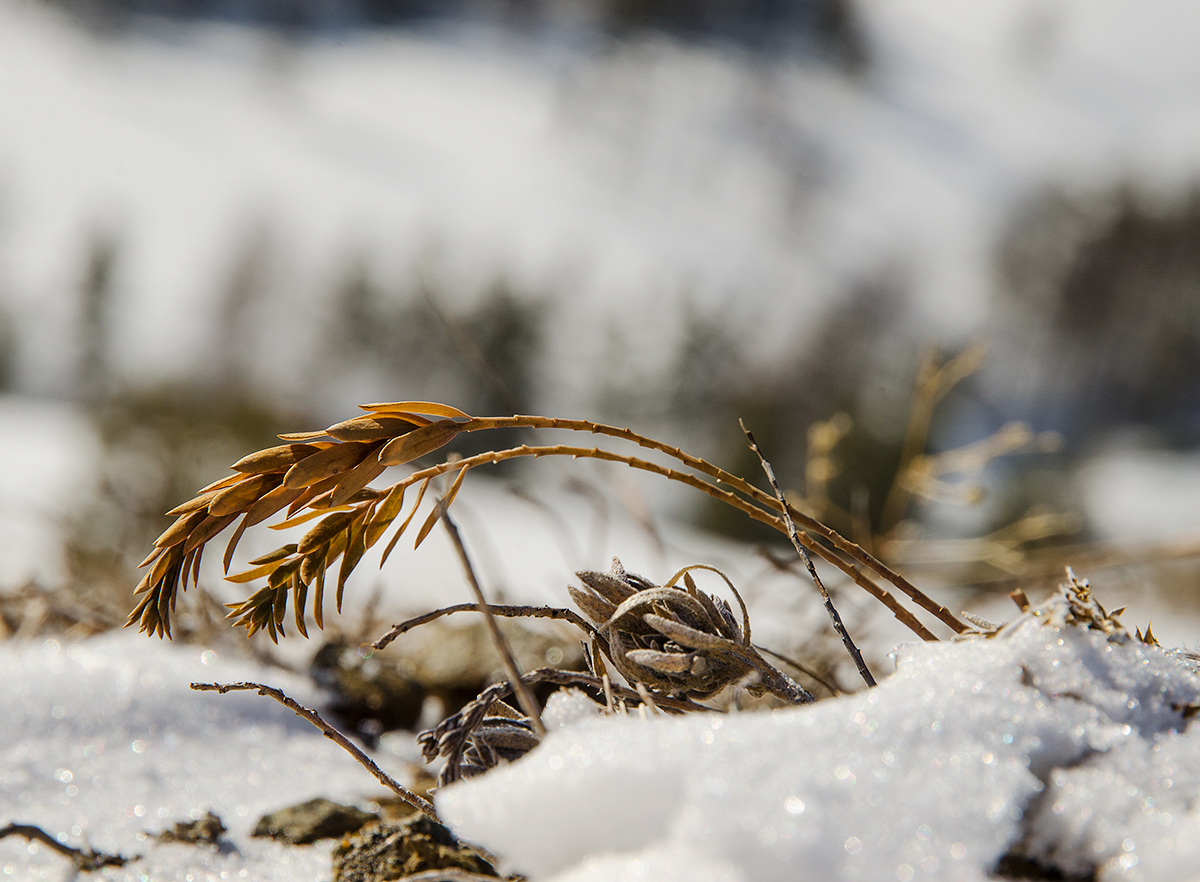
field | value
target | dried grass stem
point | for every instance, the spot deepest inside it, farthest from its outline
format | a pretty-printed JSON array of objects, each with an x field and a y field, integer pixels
[{"x": 329, "y": 732}]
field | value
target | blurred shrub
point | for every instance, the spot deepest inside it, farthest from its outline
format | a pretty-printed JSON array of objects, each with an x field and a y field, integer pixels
[
  {"x": 1101, "y": 307},
  {"x": 827, "y": 27},
  {"x": 485, "y": 354},
  {"x": 158, "y": 446}
]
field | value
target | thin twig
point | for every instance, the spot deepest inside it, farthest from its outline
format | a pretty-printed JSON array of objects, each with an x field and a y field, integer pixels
[
  {"x": 812, "y": 570},
  {"x": 505, "y": 611},
  {"x": 804, "y": 669},
  {"x": 329, "y": 732},
  {"x": 84, "y": 858},
  {"x": 524, "y": 695}
]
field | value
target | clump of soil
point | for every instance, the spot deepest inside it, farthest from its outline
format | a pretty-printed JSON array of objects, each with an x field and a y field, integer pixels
[
  {"x": 388, "y": 851},
  {"x": 316, "y": 819}
]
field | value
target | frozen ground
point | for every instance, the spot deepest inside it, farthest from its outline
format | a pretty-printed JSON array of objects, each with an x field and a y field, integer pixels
[{"x": 1072, "y": 745}]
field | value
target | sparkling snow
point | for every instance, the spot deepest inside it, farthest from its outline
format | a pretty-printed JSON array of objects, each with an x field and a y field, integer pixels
[
  {"x": 1072, "y": 743},
  {"x": 937, "y": 772}
]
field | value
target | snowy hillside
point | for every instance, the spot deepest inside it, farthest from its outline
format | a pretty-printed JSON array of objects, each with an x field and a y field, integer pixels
[{"x": 633, "y": 178}]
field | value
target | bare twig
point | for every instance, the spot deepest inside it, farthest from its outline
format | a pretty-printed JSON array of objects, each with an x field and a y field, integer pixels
[
  {"x": 329, "y": 732},
  {"x": 804, "y": 669},
  {"x": 812, "y": 570},
  {"x": 84, "y": 858},
  {"x": 524, "y": 695},
  {"x": 505, "y": 611}
]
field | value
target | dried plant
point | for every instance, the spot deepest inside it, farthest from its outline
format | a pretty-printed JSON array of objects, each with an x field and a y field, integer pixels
[
  {"x": 674, "y": 644},
  {"x": 680, "y": 641},
  {"x": 323, "y": 476}
]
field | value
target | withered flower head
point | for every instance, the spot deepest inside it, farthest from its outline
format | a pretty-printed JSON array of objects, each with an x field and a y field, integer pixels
[{"x": 677, "y": 640}]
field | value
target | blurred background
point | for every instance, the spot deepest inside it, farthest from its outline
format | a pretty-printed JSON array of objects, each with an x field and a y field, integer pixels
[{"x": 943, "y": 258}]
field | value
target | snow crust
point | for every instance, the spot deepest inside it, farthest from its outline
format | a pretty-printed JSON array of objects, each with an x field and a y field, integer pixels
[
  {"x": 1057, "y": 734},
  {"x": 103, "y": 742}
]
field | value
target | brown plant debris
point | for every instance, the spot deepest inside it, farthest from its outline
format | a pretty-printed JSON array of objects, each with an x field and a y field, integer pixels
[
  {"x": 677, "y": 639},
  {"x": 419, "y": 845},
  {"x": 311, "y": 821},
  {"x": 204, "y": 830},
  {"x": 84, "y": 859}
]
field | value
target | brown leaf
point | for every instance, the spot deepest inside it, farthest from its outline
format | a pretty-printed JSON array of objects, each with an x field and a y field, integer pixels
[
  {"x": 387, "y": 512},
  {"x": 255, "y": 573},
  {"x": 194, "y": 504},
  {"x": 284, "y": 572},
  {"x": 319, "y": 599},
  {"x": 309, "y": 494},
  {"x": 272, "y": 502},
  {"x": 207, "y": 529},
  {"x": 227, "y": 481},
  {"x": 325, "y": 464},
  {"x": 431, "y": 408},
  {"x": 274, "y": 459},
  {"x": 179, "y": 530},
  {"x": 595, "y": 608},
  {"x": 235, "y": 499},
  {"x": 355, "y": 549},
  {"x": 232, "y": 544},
  {"x": 356, "y": 479},
  {"x": 446, "y": 500},
  {"x": 419, "y": 442},
  {"x": 299, "y": 599},
  {"x": 372, "y": 428},
  {"x": 324, "y": 531},
  {"x": 278, "y": 554},
  {"x": 608, "y": 586},
  {"x": 303, "y": 436},
  {"x": 404, "y": 526}
]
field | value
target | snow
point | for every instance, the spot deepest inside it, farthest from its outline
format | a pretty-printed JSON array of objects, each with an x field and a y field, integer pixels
[
  {"x": 103, "y": 742},
  {"x": 1071, "y": 742},
  {"x": 1047, "y": 729},
  {"x": 53, "y": 455}
]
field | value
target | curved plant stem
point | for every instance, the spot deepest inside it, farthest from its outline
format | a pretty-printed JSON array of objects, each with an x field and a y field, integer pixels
[
  {"x": 506, "y": 611},
  {"x": 726, "y": 496},
  {"x": 850, "y": 549},
  {"x": 329, "y": 732}
]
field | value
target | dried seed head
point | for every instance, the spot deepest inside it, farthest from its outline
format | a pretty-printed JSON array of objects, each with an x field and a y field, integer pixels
[{"x": 676, "y": 640}]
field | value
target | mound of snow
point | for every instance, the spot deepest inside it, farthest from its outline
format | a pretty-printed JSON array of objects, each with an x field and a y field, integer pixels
[{"x": 1060, "y": 740}]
